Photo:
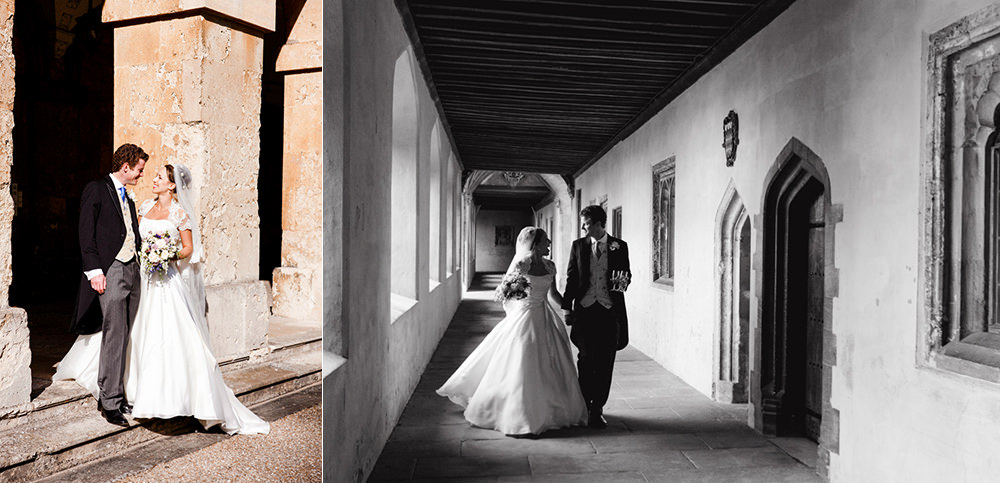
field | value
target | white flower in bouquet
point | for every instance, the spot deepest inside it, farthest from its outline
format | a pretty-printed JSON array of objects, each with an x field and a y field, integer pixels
[
  {"x": 157, "y": 250},
  {"x": 514, "y": 286}
]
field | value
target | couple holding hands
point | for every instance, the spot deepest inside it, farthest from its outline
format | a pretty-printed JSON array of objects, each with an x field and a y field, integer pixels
[{"x": 520, "y": 380}]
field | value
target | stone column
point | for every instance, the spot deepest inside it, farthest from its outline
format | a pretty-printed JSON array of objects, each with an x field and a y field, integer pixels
[
  {"x": 188, "y": 90},
  {"x": 298, "y": 282},
  {"x": 15, "y": 354}
]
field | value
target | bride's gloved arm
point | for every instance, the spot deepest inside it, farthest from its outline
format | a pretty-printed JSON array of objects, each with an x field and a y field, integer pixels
[{"x": 186, "y": 245}]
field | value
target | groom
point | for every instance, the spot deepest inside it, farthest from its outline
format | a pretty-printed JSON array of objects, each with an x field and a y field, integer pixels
[
  {"x": 109, "y": 289},
  {"x": 596, "y": 313}
]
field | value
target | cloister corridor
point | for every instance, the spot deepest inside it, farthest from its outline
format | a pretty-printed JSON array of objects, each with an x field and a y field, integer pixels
[{"x": 660, "y": 429}]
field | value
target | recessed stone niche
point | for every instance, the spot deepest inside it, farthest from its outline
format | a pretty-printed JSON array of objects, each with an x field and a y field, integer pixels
[{"x": 960, "y": 199}]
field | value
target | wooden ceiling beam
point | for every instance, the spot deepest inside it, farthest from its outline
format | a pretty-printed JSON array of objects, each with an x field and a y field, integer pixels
[
  {"x": 599, "y": 48},
  {"x": 578, "y": 40},
  {"x": 612, "y": 91},
  {"x": 513, "y": 27},
  {"x": 464, "y": 12},
  {"x": 484, "y": 52},
  {"x": 521, "y": 78},
  {"x": 592, "y": 73},
  {"x": 471, "y": 90}
]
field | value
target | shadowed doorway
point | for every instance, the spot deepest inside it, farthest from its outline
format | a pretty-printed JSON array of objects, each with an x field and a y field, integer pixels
[
  {"x": 62, "y": 139},
  {"x": 791, "y": 383}
]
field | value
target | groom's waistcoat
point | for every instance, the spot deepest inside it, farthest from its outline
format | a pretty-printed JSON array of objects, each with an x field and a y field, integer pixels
[
  {"x": 128, "y": 250},
  {"x": 597, "y": 286}
]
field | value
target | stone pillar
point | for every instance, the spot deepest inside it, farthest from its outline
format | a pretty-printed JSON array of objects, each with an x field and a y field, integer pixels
[
  {"x": 298, "y": 283},
  {"x": 15, "y": 354},
  {"x": 188, "y": 90}
]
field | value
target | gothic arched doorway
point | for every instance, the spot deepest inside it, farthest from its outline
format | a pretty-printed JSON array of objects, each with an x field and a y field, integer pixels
[{"x": 796, "y": 211}]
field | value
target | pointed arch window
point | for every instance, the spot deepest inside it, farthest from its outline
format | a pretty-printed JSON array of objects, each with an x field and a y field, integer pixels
[
  {"x": 960, "y": 249},
  {"x": 664, "y": 187},
  {"x": 992, "y": 225}
]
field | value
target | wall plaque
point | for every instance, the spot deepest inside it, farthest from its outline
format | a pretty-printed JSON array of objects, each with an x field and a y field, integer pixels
[{"x": 730, "y": 136}]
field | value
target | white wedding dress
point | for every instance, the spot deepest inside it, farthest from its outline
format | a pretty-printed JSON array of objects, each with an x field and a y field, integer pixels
[
  {"x": 521, "y": 379},
  {"x": 170, "y": 370}
]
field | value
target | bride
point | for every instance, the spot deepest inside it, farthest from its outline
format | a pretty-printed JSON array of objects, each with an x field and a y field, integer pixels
[
  {"x": 521, "y": 379},
  {"x": 170, "y": 369}
]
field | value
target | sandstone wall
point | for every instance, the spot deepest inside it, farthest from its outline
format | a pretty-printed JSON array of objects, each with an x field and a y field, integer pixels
[
  {"x": 297, "y": 290},
  {"x": 15, "y": 353}
]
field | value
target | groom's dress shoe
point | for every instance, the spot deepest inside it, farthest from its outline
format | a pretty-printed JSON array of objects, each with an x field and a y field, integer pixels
[
  {"x": 596, "y": 421},
  {"x": 125, "y": 408},
  {"x": 114, "y": 416}
]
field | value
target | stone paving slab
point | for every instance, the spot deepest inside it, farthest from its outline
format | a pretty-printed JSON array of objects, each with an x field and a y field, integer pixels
[
  {"x": 801, "y": 449},
  {"x": 455, "y": 467},
  {"x": 632, "y": 442},
  {"x": 714, "y": 459},
  {"x": 736, "y": 439},
  {"x": 526, "y": 447},
  {"x": 654, "y": 459},
  {"x": 412, "y": 449},
  {"x": 393, "y": 468},
  {"x": 740, "y": 475},
  {"x": 612, "y": 477},
  {"x": 435, "y": 433}
]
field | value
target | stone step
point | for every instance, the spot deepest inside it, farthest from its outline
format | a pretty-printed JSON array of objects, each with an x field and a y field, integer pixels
[
  {"x": 51, "y": 403},
  {"x": 65, "y": 433}
]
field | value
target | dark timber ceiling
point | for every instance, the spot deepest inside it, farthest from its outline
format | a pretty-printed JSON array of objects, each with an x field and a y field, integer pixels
[{"x": 549, "y": 86}]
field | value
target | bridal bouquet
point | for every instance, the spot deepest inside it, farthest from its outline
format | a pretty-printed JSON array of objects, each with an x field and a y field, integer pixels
[
  {"x": 157, "y": 250},
  {"x": 514, "y": 286}
]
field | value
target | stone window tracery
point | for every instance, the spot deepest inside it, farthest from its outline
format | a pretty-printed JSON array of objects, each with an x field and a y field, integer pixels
[
  {"x": 663, "y": 221},
  {"x": 961, "y": 176}
]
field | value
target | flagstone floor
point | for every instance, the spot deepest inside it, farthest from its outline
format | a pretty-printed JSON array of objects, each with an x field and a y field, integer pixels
[{"x": 660, "y": 429}]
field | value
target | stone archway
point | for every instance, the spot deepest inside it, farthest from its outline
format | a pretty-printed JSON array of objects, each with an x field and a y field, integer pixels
[
  {"x": 733, "y": 280},
  {"x": 795, "y": 348},
  {"x": 562, "y": 197}
]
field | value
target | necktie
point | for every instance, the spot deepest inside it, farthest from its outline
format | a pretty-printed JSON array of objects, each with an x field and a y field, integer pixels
[
  {"x": 597, "y": 249},
  {"x": 122, "y": 191}
]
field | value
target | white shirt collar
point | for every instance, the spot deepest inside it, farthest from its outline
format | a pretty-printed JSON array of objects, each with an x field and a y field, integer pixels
[
  {"x": 603, "y": 239},
  {"x": 118, "y": 184}
]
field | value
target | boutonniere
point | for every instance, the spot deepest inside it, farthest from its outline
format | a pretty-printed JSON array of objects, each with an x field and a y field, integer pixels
[
  {"x": 131, "y": 195},
  {"x": 614, "y": 246}
]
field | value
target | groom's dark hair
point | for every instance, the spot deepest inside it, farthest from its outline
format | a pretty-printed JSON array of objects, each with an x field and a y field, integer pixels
[
  {"x": 127, "y": 154},
  {"x": 595, "y": 214}
]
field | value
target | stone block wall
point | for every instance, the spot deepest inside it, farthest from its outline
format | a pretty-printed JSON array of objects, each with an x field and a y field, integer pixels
[
  {"x": 6, "y": 144},
  {"x": 298, "y": 283},
  {"x": 259, "y": 13},
  {"x": 15, "y": 352}
]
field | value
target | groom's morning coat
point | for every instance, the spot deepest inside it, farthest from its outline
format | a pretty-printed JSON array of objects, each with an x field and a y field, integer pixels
[
  {"x": 102, "y": 233},
  {"x": 578, "y": 279}
]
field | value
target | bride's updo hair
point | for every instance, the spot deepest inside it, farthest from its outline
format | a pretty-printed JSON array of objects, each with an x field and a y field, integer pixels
[{"x": 170, "y": 176}]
